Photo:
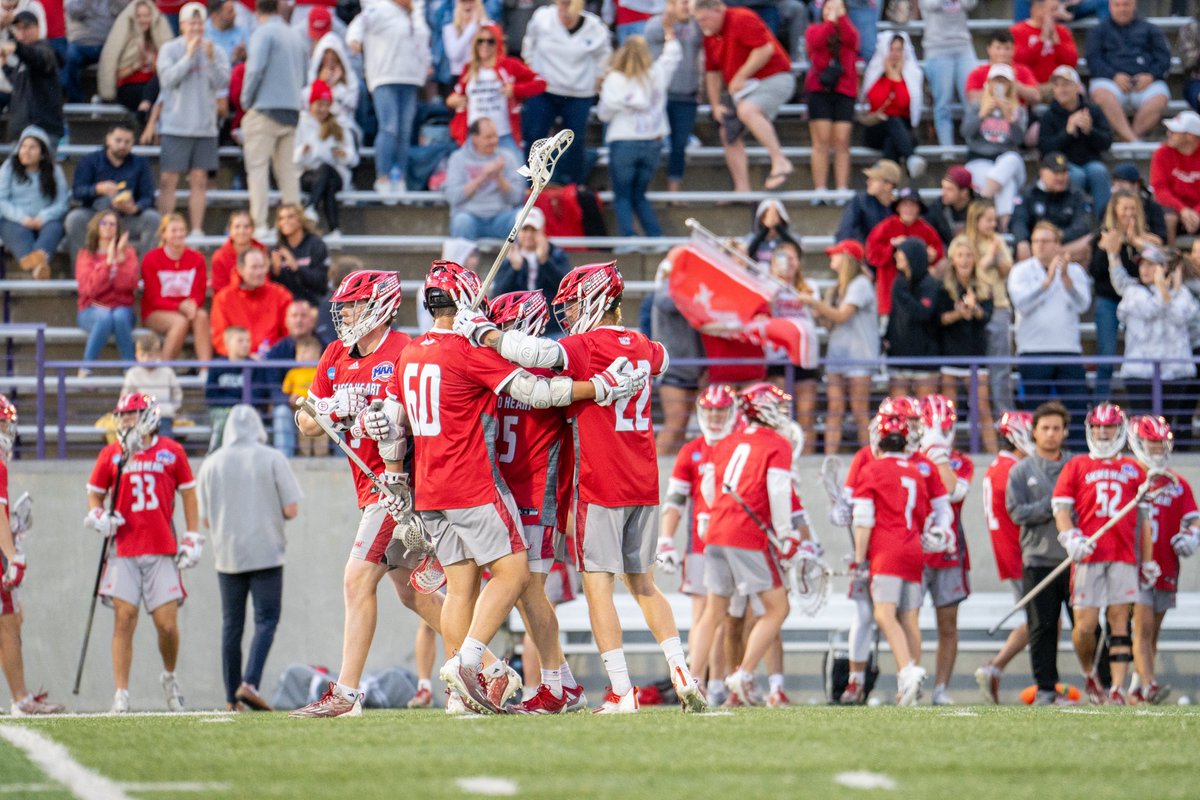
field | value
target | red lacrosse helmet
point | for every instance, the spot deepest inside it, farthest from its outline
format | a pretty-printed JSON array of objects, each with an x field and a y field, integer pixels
[
  {"x": 136, "y": 434},
  {"x": 767, "y": 404},
  {"x": 891, "y": 426},
  {"x": 716, "y": 410},
  {"x": 450, "y": 285},
  {"x": 937, "y": 411},
  {"x": 8, "y": 427},
  {"x": 910, "y": 409},
  {"x": 1017, "y": 428},
  {"x": 585, "y": 294},
  {"x": 1104, "y": 416},
  {"x": 1150, "y": 439},
  {"x": 526, "y": 312},
  {"x": 365, "y": 300}
]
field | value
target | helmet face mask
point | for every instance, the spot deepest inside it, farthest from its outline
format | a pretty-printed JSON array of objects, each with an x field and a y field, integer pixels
[
  {"x": 451, "y": 285},
  {"x": 8, "y": 427},
  {"x": 137, "y": 421},
  {"x": 1105, "y": 430},
  {"x": 1151, "y": 441},
  {"x": 586, "y": 294},
  {"x": 364, "y": 301},
  {"x": 1017, "y": 428},
  {"x": 716, "y": 411},
  {"x": 525, "y": 312}
]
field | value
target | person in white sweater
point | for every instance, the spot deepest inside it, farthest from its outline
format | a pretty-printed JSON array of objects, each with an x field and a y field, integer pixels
[
  {"x": 569, "y": 47},
  {"x": 156, "y": 379},
  {"x": 393, "y": 37},
  {"x": 633, "y": 101},
  {"x": 325, "y": 154}
]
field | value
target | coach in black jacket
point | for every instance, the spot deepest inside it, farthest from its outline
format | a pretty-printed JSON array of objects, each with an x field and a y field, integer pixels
[
  {"x": 1052, "y": 199},
  {"x": 1077, "y": 128},
  {"x": 31, "y": 66},
  {"x": 912, "y": 327}
]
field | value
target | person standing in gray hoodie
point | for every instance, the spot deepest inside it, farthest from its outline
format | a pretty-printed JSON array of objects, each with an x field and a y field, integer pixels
[
  {"x": 247, "y": 492},
  {"x": 949, "y": 58},
  {"x": 1028, "y": 500}
]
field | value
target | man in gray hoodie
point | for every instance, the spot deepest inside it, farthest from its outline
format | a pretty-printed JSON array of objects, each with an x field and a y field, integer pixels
[
  {"x": 1028, "y": 496},
  {"x": 483, "y": 186}
]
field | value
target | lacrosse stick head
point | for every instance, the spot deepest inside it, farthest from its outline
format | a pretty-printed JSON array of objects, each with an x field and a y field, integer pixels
[
  {"x": 525, "y": 312},
  {"x": 1017, "y": 428},
  {"x": 21, "y": 516},
  {"x": 766, "y": 404},
  {"x": 451, "y": 285},
  {"x": 1150, "y": 439},
  {"x": 137, "y": 421},
  {"x": 364, "y": 301},
  {"x": 586, "y": 294},
  {"x": 427, "y": 577},
  {"x": 809, "y": 586},
  {"x": 716, "y": 411},
  {"x": 831, "y": 476},
  {"x": 8, "y": 427},
  {"x": 1105, "y": 430},
  {"x": 909, "y": 408},
  {"x": 543, "y": 155}
]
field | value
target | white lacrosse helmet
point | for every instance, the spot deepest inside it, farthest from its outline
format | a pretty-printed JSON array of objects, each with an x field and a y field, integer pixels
[
  {"x": 8, "y": 427},
  {"x": 368, "y": 298},
  {"x": 137, "y": 434},
  {"x": 1105, "y": 417},
  {"x": 1150, "y": 439},
  {"x": 717, "y": 412}
]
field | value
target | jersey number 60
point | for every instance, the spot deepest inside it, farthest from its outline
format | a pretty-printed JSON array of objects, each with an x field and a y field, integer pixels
[{"x": 422, "y": 389}]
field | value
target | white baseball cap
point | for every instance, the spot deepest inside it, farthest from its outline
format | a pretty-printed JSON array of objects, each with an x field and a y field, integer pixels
[
  {"x": 1184, "y": 122},
  {"x": 1067, "y": 73},
  {"x": 535, "y": 219},
  {"x": 1001, "y": 71},
  {"x": 192, "y": 9}
]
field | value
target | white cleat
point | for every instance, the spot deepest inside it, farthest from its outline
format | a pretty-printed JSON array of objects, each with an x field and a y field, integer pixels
[
  {"x": 171, "y": 690},
  {"x": 941, "y": 697},
  {"x": 120, "y": 702},
  {"x": 455, "y": 707},
  {"x": 909, "y": 684},
  {"x": 741, "y": 688},
  {"x": 688, "y": 690},
  {"x": 619, "y": 704},
  {"x": 576, "y": 699}
]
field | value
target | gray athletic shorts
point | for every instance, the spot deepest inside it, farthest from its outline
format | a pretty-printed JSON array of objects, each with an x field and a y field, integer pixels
[
  {"x": 151, "y": 581},
  {"x": 183, "y": 153},
  {"x": 1160, "y": 600},
  {"x": 373, "y": 540},
  {"x": 1104, "y": 584},
  {"x": 771, "y": 93},
  {"x": 613, "y": 540},
  {"x": 540, "y": 539},
  {"x": 894, "y": 589},
  {"x": 729, "y": 571},
  {"x": 692, "y": 579},
  {"x": 482, "y": 534},
  {"x": 739, "y": 602},
  {"x": 946, "y": 587}
]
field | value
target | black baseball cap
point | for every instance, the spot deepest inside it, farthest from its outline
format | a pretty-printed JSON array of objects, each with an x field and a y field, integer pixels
[
  {"x": 1055, "y": 161},
  {"x": 1127, "y": 171},
  {"x": 24, "y": 18}
]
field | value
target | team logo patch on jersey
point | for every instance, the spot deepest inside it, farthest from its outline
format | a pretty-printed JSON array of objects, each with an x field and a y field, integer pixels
[
  {"x": 1129, "y": 470},
  {"x": 116, "y": 459},
  {"x": 923, "y": 468},
  {"x": 165, "y": 456},
  {"x": 382, "y": 372},
  {"x": 625, "y": 340},
  {"x": 696, "y": 456},
  {"x": 331, "y": 373}
]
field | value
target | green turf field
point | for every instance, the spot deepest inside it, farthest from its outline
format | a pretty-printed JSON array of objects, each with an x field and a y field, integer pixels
[{"x": 965, "y": 753}]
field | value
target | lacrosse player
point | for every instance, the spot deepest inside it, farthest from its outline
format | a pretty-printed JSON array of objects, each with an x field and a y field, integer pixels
[
  {"x": 1016, "y": 442},
  {"x": 143, "y": 560},
  {"x": 1175, "y": 530},
  {"x": 1091, "y": 491},
  {"x": 14, "y": 524}
]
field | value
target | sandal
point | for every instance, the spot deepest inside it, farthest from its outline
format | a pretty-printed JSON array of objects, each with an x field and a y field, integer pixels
[{"x": 776, "y": 180}]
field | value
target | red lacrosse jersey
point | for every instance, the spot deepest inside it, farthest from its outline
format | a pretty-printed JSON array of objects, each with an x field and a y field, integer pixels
[
  {"x": 614, "y": 444},
  {"x": 899, "y": 490},
  {"x": 742, "y": 460},
  {"x": 4, "y": 486},
  {"x": 341, "y": 368},
  {"x": 536, "y": 458},
  {"x": 1170, "y": 512},
  {"x": 448, "y": 388},
  {"x": 686, "y": 477},
  {"x": 964, "y": 469},
  {"x": 1006, "y": 534},
  {"x": 1098, "y": 488},
  {"x": 146, "y": 496},
  {"x": 928, "y": 470}
]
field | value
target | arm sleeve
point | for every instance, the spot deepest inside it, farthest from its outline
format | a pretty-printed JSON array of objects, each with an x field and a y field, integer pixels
[
  {"x": 62, "y": 198},
  {"x": 779, "y": 496},
  {"x": 1101, "y": 137},
  {"x": 1160, "y": 179},
  {"x": 1081, "y": 222},
  {"x": 1020, "y": 225},
  {"x": 219, "y": 70},
  {"x": 1160, "y": 53},
  {"x": 83, "y": 184},
  {"x": 172, "y": 71},
  {"x": 456, "y": 181},
  {"x": 1065, "y": 52},
  {"x": 1026, "y": 295},
  {"x": 1098, "y": 64},
  {"x": 1081, "y": 288},
  {"x": 258, "y": 54},
  {"x": 943, "y": 516},
  {"x": 127, "y": 271},
  {"x": 1024, "y": 505},
  {"x": 86, "y": 274},
  {"x": 144, "y": 190}
]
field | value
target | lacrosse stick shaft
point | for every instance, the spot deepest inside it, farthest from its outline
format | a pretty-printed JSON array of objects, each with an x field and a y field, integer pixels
[
  {"x": 87, "y": 631},
  {"x": 306, "y": 405},
  {"x": 831, "y": 469},
  {"x": 767, "y": 530}
]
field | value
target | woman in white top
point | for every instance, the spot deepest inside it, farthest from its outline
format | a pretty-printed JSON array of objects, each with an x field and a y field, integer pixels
[
  {"x": 325, "y": 153},
  {"x": 633, "y": 101}
]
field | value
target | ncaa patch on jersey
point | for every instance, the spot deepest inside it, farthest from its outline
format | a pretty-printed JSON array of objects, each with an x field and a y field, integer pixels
[
  {"x": 331, "y": 373},
  {"x": 165, "y": 456},
  {"x": 923, "y": 468},
  {"x": 382, "y": 372},
  {"x": 1129, "y": 469}
]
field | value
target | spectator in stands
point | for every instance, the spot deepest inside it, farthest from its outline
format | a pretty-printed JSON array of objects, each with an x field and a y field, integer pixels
[
  {"x": 1125, "y": 175},
  {"x": 192, "y": 72},
  {"x": 330, "y": 62},
  {"x": 106, "y": 272},
  {"x": 1052, "y": 198},
  {"x": 633, "y": 103},
  {"x": 869, "y": 208},
  {"x": 912, "y": 326},
  {"x": 255, "y": 303},
  {"x": 241, "y": 238},
  {"x": 10, "y": 8},
  {"x": 1128, "y": 59},
  {"x": 300, "y": 321},
  {"x": 1175, "y": 174},
  {"x": 1000, "y": 51},
  {"x": 1043, "y": 44},
  {"x": 569, "y": 47},
  {"x": 1123, "y": 236},
  {"x": 994, "y": 129},
  {"x": 771, "y": 229},
  {"x": 299, "y": 260},
  {"x": 150, "y": 376},
  {"x": 56, "y": 25},
  {"x": 276, "y": 63},
  {"x": 1050, "y": 294},
  {"x": 225, "y": 30},
  {"x": 964, "y": 308},
  {"x": 493, "y": 85},
  {"x": 532, "y": 263},
  {"x": 88, "y": 24},
  {"x": 297, "y": 382},
  {"x": 684, "y": 88},
  {"x": 905, "y": 223},
  {"x": 129, "y": 55},
  {"x": 174, "y": 283},
  {"x": 787, "y": 267},
  {"x": 893, "y": 87},
  {"x": 1188, "y": 46},
  {"x": 515, "y": 16},
  {"x": 993, "y": 262},
  {"x": 246, "y": 493},
  {"x": 114, "y": 178},
  {"x": 482, "y": 186},
  {"x": 394, "y": 40},
  {"x": 832, "y": 86},
  {"x": 225, "y": 384},
  {"x": 1077, "y": 128},
  {"x": 948, "y": 213},
  {"x": 325, "y": 153},
  {"x": 677, "y": 386},
  {"x": 33, "y": 202},
  {"x": 31, "y": 67},
  {"x": 458, "y": 35},
  {"x": 949, "y": 59}
]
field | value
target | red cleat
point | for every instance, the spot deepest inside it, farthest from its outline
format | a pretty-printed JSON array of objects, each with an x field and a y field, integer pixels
[
  {"x": 576, "y": 699},
  {"x": 1116, "y": 697},
  {"x": 544, "y": 702},
  {"x": 1095, "y": 691}
]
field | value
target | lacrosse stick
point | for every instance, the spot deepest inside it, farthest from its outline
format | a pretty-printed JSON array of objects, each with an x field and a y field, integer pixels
[
  {"x": 543, "y": 155},
  {"x": 112, "y": 505},
  {"x": 428, "y": 576},
  {"x": 21, "y": 519},
  {"x": 831, "y": 479},
  {"x": 1144, "y": 492},
  {"x": 412, "y": 536}
]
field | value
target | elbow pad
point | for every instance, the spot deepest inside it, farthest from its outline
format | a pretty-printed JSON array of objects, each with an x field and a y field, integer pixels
[
  {"x": 392, "y": 449},
  {"x": 942, "y": 516},
  {"x": 530, "y": 351},
  {"x": 677, "y": 494},
  {"x": 779, "y": 499},
  {"x": 540, "y": 392},
  {"x": 864, "y": 513},
  {"x": 1058, "y": 504},
  {"x": 959, "y": 493}
]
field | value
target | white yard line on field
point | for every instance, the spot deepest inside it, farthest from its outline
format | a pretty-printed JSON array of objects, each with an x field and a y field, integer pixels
[
  {"x": 55, "y": 760},
  {"x": 864, "y": 780},
  {"x": 178, "y": 786},
  {"x": 485, "y": 784}
]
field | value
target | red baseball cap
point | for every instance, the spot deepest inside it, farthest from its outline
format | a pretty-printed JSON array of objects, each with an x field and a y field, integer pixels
[
  {"x": 320, "y": 21},
  {"x": 319, "y": 91},
  {"x": 960, "y": 176},
  {"x": 850, "y": 247}
]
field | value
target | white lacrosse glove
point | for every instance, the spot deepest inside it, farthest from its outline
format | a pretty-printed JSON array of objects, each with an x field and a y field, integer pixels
[
  {"x": 1150, "y": 573},
  {"x": 938, "y": 540},
  {"x": 397, "y": 500},
  {"x": 667, "y": 556},
  {"x": 374, "y": 423},
  {"x": 15, "y": 573},
  {"x": 840, "y": 513},
  {"x": 1185, "y": 542},
  {"x": 617, "y": 382},
  {"x": 860, "y": 578},
  {"x": 1078, "y": 546},
  {"x": 342, "y": 408},
  {"x": 789, "y": 549},
  {"x": 191, "y": 547},
  {"x": 473, "y": 325},
  {"x": 104, "y": 522}
]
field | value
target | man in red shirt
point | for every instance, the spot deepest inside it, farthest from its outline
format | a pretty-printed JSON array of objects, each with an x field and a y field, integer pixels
[
  {"x": 747, "y": 76},
  {"x": 1000, "y": 51},
  {"x": 1175, "y": 174},
  {"x": 254, "y": 303},
  {"x": 1042, "y": 44},
  {"x": 144, "y": 560}
]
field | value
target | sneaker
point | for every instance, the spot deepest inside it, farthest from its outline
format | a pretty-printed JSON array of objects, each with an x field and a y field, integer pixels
[
  {"x": 249, "y": 695},
  {"x": 386, "y": 191},
  {"x": 618, "y": 703},
  {"x": 855, "y": 694},
  {"x": 504, "y": 686},
  {"x": 195, "y": 235},
  {"x": 469, "y": 684},
  {"x": 333, "y": 236},
  {"x": 778, "y": 699},
  {"x": 544, "y": 702},
  {"x": 941, "y": 697},
  {"x": 909, "y": 684},
  {"x": 171, "y": 691},
  {"x": 36, "y": 705},
  {"x": 264, "y": 235},
  {"x": 576, "y": 699},
  {"x": 687, "y": 689},
  {"x": 120, "y": 702},
  {"x": 742, "y": 688},
  {"x": 331, "y": 704},
  {"x": 1156, "y": 693},
  {"x": 422, "y": 699},
  {"x": 455, "y": 706},
  {"x": 916, "y": 166},
  {"x": 988, "y": 678},
  {"x": 1095, "y": 691},
  {"x": 1116, "y": 697}
]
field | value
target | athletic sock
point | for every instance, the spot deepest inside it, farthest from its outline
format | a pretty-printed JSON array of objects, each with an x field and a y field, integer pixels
[
  {"x": 553, "y": 679},
  {"x": 743, "y": 675},
  {"x": 1135, "y": 682},
  {"x": 347, "y": 692},
  {"x": 618, "y": 673},
  {"x": 673, "y": 649},
  {"x": 715, "y": 686},
  {"x": 568, "y": 680},
  {"x": 775, "y": 682},
  {"x": 424, "y": 683},
  {"x": 495, "y": 669},
  {"x": 471, "y": 653},
  {"x": 858, "y": 677}
]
